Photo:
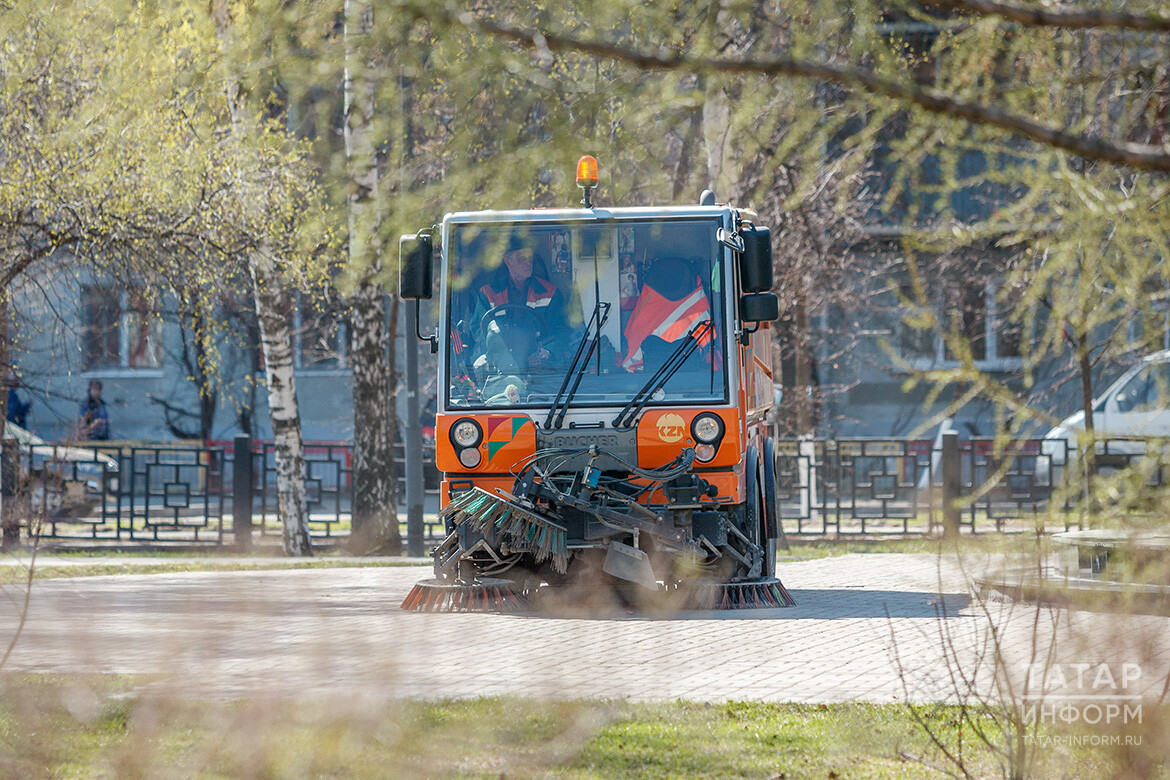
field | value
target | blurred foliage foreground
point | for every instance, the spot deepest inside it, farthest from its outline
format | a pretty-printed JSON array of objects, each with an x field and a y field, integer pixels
[{"x": 106, "y": 727}]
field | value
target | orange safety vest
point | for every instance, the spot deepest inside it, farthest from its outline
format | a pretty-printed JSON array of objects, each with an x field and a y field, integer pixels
[
  {"x": 669, "y": 320},
  {"x": 540, "y": 293}
]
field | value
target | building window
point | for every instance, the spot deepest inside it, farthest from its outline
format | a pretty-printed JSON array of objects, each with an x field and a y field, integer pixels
[
  {"x": 121, "y": 329},
  {"x": 320, "y": 337},
  {"x": 976, "y": 312}
]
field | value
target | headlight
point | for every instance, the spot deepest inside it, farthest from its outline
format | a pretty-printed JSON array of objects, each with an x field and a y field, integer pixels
[
  {"x": 707, "y": 428},
  {"x": 466, "y": 433},
  {"x": 704, "y": 453}
]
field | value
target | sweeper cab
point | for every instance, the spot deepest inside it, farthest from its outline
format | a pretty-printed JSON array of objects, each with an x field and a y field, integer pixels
[{"x": 605, "y": 376}]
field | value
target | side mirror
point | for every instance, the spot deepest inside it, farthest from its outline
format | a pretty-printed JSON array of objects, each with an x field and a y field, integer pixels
[
  {"x": 414, "y": 269},
  {"x": 755, "y": 262},
  {"x": 759, "y": 307}
]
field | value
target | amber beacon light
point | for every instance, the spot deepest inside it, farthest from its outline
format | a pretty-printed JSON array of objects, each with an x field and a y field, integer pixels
[{"x": 587, "y": 178}]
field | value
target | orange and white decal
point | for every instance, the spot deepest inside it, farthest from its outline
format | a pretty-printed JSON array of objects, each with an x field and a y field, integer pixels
[
  {"x": 507, "y": 440},
  {"x": 505, "y": 436}
]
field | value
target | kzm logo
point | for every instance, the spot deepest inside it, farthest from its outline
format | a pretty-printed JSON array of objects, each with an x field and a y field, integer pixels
[{"x": 671, "y": 428}]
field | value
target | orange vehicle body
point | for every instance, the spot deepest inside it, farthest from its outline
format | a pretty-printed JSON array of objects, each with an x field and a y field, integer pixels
[{"x": 605, "y": 379}]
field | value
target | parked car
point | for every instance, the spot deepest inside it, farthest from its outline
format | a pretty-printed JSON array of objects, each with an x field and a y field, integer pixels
[
  {"x": 62, "y": 479},
  {"x": 1126, "y": 416}
]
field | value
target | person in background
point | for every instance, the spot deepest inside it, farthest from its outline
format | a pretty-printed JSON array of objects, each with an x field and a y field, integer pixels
[
  {"x": 17, "y": 409},
  {"x": 93, "y": 419}
]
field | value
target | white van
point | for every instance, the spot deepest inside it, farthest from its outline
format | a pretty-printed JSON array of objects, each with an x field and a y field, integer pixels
[{"x": 1137, "y": 405}]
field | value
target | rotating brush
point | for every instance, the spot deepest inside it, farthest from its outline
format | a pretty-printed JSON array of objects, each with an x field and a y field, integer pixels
[
  {"x": 767, "y": 593},
  {"x": 482, "y": 595},
  {"x": 479, "y": 510}
]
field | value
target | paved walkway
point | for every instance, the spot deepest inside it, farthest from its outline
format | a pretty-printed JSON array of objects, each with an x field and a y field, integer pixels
[{"x": 866, "y": 626}]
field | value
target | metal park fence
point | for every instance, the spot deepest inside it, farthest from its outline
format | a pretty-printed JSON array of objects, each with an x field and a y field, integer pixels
[
  {"x": 899, "y": 486},
  {"x": 867, "y": 486},
  {"x": 204, "y": 493},
  {"x": 181, "y": 493}
]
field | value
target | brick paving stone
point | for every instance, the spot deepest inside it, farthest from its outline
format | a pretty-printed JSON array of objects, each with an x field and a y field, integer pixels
[{"x": 324, "y": 630}]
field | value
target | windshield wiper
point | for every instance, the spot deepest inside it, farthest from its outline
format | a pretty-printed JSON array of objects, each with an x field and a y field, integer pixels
[
  {"x": 681, "y": 353},
  {"x": 577, "y": 368}
]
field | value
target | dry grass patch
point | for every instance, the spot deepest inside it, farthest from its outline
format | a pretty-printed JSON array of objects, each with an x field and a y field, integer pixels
[{"x": 122, "y": 728}]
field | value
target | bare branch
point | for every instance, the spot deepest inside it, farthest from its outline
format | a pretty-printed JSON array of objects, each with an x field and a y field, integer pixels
[
  {"x": 24, "y": 261},
  {"x": 1138, "y": 156},
  {"x": 1069, "y": 19},
  {"x": 28, "y": 585}
]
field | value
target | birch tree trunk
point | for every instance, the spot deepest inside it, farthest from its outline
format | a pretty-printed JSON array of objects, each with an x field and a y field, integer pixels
[
  {"x": 275, "y": 340},
  {"x": 375, "y": 516}
]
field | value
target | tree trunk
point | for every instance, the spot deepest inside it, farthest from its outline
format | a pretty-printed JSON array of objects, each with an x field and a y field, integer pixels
[
  {"x": 275, "y": 339},
  {"x": 1085, "y": 366},
  {"x": 272, "y": 313},
  {"x": 805, "y": 425},
  {"x": 724, "y": 166},
  {"x": 803, "y": 378},
  {"x": 208, "y": 394},
  {"x": 721, "y": 168},
  {"x": 194, "y": 330},
  {"x": 246, "y": 416},
  {"x": 5, "y": 360},
  {"x": 375, "y": 516},
  {"x": 682, "y": 171}
]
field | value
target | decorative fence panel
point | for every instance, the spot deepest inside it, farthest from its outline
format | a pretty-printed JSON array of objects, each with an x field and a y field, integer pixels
[
  {"x": 75, "y": 490},
  {"x": 905, "y": 486},
  {"x": 328, "y": 487},
  {"x": 1010, "y": 483},
  {"x": 855, "y": 486},
  {"x": 181, "y": 493},
  {"x": 172, "y": 493}
]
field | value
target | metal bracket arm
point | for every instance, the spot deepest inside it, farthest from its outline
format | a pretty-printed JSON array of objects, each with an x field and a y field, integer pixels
[{"x": 433, "y": 340}]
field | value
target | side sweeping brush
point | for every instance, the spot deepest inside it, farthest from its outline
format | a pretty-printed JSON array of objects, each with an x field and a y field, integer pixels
[
  {"x": 479, "y": 510},
  {"x": 483, "y": 595},
  {"x": 768, "y": 593}
]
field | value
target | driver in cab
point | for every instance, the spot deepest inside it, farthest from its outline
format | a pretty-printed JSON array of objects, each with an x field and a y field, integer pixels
[{"x": 520, "y": 316}]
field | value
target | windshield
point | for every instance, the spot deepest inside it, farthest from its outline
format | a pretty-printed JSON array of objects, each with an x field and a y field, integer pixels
[{"x": 520, "y": 298}]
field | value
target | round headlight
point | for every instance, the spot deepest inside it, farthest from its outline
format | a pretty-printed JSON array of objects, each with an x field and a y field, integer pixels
[
  {"x": 707, "y": 428},
  {"x": 466, "y": 433},
  {"x": 470, "y": 457},
  {"x": 703, "y": 453}
]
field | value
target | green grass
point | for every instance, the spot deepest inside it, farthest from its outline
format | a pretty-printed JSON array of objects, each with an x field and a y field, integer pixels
[
  {"x": 107, "y": 728},
  {"x": 752, "y": 740}
]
